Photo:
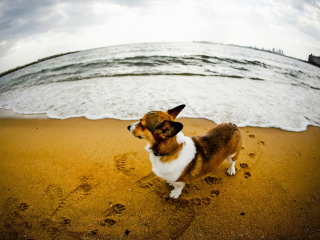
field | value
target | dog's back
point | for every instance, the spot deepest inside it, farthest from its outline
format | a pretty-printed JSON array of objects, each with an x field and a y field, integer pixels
[{"x": 218, "y": 144}]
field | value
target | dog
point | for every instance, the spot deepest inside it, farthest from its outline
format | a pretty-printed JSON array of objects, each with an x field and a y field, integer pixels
[{"x": 179, "y": 159}]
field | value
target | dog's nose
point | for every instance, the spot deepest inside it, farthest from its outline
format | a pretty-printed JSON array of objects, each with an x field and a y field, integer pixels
[{"x": 129, "y": 127}]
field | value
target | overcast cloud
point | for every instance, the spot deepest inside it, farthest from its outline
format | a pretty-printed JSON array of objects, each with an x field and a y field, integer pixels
[{"x": 33, "y": 29}]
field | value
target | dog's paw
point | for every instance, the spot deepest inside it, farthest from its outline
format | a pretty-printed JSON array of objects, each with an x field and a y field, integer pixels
[
  {"x": 175, "y": 193},
  {"x": 231, "y": 171}
]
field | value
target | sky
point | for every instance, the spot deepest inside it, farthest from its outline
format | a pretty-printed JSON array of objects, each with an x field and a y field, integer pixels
[{"x": 34, "y": 29}]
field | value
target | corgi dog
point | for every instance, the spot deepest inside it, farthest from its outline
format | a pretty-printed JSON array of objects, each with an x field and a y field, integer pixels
[{"x": 179, "y": 159}]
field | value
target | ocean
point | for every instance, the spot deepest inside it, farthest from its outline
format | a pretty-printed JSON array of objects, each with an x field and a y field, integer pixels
[{"x": 221, "y": 83}]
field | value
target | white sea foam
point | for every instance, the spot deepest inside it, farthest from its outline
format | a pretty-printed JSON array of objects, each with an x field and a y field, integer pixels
[
  {"x": 219, "y": 83},
  {"x": 251, "y": 103}
]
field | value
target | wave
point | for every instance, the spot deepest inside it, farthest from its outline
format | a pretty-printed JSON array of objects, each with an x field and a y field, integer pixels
[
  {"x": 67, "y": 77},
  {"x": 156, "y": 60},
  {"x": 75, "y": 78},
  {"x": 141, "y": 65},
  {"x": 245, "y": 86},
  {"x": 153, "y": 65}
]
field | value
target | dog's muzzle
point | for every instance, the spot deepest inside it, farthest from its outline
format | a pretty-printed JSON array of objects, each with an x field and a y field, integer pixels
[{"x": 131, "y": 127}]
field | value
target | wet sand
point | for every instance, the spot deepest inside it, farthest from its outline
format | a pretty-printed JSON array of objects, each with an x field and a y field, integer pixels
[{"x": 82, "y": 179}]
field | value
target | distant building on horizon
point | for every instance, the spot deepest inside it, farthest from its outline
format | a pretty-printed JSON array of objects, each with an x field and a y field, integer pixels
[
  {"x": 314, "y": 60},
  {"x": 277, "y": 51}
]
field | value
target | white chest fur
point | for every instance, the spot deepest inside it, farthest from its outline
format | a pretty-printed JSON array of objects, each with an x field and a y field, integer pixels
[{"x": 172, "y": 170}]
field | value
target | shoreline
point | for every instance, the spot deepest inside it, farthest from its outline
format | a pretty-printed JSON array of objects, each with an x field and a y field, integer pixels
[
  {"x": 35, "y": 62},
  {"x": 79, "y": 178},
  {"x": 10, "y": 114}
]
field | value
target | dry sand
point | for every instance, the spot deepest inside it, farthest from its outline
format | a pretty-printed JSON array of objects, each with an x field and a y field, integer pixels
[{"x": 82, "y": 179}]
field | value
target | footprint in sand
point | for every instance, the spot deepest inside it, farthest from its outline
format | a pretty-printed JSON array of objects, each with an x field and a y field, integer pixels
[
  {"x": 125, "y": 163},
  {"x": 261, "y": 142},
  {"x": 15, "y": 218},
  {"x": 247, "y": 175},
  {"x": 73, "y": 197},
  {"x": 23, "y": 206},
  {"x": 244, "y": 165},
  {"x": 65, "y": 221},
  {"x": 200, "y": 202},
  {"x": 111, "y": 213},
  {"x": 212, "y": 180},
  {"x": 148, "y": 181},
  {"x": 116, "y": 209},
  {"x": 214, "y": 193},
  {"x": 19, "y": 219},
  {"x": 76, "y": 195},
  {"x": 180, "y": 217},
  {"x": 58, "y": 229},
  {"x": 108, "y": 222},
  {"x": 190, "y": 187},
  {"x": 251, "y": 155},
  {"x": 54, "y": 192},
  {"x": 252, "y": 136}
]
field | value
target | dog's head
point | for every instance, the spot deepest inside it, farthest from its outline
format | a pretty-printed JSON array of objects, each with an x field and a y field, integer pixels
[{"x": 157, "y": 126}]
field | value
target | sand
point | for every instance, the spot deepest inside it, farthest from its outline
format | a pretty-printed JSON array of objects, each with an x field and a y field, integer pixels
[{"x": 83, "y": 179}]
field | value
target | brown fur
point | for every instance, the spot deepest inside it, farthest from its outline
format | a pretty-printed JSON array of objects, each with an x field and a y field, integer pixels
[
  {"x": 212, "y": 149},
  {"x": 169, "y": 149}
]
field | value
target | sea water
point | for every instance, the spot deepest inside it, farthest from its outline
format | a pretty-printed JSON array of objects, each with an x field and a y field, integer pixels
[{"x": 217, "y": 82}]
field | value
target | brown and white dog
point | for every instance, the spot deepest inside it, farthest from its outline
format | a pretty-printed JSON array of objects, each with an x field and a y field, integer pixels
[{"x": 179, "y": 159}]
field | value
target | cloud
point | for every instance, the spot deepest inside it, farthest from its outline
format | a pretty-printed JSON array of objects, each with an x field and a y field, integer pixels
[
  {"x": 32, "y": 29},
  {"x": 21, "y": 17},
  {"x": 302, "y": 15}
]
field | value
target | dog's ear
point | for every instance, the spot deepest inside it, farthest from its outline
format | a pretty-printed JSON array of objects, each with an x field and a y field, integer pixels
[
  {"x": 168, "y": 129},
  {"x": 175, "y": 111}
]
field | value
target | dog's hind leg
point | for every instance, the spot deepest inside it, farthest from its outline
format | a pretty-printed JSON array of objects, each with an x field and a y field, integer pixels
[
  {"x": 178, "y": 186},
  {"x": 232, "y": 161}
]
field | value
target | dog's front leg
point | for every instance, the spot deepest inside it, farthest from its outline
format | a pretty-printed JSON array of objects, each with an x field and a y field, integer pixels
[
  {"x": 178, "y": 186},
  {"x": 231, "y": 170}
]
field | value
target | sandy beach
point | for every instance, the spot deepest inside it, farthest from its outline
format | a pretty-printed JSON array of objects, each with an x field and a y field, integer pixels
[{"x": 84, "y": 179}]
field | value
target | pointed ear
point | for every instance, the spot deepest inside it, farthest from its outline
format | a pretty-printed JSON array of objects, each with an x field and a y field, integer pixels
[
  {"x": 175, "y": 111},
  {"x": 168, "y": 129}
]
